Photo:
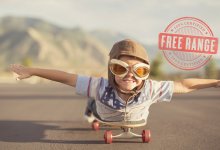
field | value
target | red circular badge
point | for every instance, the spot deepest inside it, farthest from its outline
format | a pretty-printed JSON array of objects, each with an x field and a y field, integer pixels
[{"x": 188, "y": 43}]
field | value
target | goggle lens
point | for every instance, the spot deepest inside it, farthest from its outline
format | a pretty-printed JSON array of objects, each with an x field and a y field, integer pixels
[
  {"x": 142, "y": 71},
  {"x": 118, "y": 69}
]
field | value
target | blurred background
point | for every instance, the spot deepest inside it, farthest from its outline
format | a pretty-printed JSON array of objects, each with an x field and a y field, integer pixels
[{"x": 77, "y": 35}]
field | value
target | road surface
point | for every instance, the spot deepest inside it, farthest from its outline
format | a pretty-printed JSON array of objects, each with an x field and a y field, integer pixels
[{"x": 51, "y": 117}]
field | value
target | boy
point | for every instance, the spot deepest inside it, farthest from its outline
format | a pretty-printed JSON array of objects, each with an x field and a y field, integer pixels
[{"x": 127, "y": 94}]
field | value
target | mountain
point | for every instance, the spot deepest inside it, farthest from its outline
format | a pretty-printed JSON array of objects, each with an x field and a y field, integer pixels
[{"x": 48, "y": 45}]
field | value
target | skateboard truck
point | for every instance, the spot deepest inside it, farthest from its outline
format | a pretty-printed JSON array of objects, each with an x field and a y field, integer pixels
[{"x": 126, "y": 134}]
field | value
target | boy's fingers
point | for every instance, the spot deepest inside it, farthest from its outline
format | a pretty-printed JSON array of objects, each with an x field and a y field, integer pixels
[
  {"x": 16, "y": 68},
  {"x": 18, "y": 79},
  {"x": 23, "y": 76},
  {"x": 13, "y": 67},
  {"x": 218, "y": 84}
]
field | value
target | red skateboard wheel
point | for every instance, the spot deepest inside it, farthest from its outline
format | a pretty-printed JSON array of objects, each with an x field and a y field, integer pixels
[
  {"x": 146, "y": 135},
  {"x": 108, "y": 137},
  {"x": 95, "y": 125}
]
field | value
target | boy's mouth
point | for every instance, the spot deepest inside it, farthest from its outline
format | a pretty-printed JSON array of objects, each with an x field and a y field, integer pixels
[{"x": 129, "y": 80}]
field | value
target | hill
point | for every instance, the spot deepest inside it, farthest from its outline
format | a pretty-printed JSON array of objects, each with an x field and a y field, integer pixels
[{"x": 45, "y": 44}]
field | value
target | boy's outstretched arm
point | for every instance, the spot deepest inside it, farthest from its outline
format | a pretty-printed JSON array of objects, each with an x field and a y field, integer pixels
[
  {"x": 189, "y": 85},
  {"x": 54, "y": 75}
]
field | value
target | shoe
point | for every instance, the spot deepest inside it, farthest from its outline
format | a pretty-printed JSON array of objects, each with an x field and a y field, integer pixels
[
  {"x": 88, "y": 115},
  {"x": 90, "y": 119}
]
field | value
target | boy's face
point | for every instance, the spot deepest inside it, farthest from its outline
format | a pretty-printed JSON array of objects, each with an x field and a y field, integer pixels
[{"x": 129, "y": 82}]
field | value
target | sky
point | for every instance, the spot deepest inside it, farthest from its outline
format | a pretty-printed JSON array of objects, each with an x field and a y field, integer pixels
[{"x": 141, "y": 19}]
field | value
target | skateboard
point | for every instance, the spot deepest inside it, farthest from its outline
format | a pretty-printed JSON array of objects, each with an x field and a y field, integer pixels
[{"x": 126, "y": 127}]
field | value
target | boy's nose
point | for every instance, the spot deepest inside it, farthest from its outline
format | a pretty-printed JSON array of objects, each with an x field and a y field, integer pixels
[{"x": 130, "y": 74}]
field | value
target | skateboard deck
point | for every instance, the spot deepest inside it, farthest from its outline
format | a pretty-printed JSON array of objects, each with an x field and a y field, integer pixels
[{"x": 122, "y": 124}]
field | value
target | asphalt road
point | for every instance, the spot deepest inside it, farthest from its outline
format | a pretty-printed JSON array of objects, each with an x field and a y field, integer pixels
[{"x": 51, "y": 117}]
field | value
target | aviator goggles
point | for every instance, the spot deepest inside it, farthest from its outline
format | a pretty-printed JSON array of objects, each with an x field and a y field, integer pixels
[{"x": 120, "y": 68}]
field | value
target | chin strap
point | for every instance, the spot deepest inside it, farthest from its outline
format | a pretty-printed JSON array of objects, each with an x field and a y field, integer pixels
[
  {"x": 132, "y": 93},
  {"x": 125, "y": 92}
]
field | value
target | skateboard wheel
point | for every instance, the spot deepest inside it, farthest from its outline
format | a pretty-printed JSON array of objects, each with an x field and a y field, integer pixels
[
  {"x": 108, "y": 137},
  {"x": 146, "y": 135},
  {"x": 95, "y": 125}
]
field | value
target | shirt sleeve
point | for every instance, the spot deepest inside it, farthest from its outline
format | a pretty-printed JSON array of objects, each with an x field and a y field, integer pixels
[
  {"x": 87, "y": 86},
  {"x": 161, "y": 91}
]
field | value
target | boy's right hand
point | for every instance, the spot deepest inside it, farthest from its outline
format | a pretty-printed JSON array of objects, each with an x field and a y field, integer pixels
[{"x": 23, "y": 72}]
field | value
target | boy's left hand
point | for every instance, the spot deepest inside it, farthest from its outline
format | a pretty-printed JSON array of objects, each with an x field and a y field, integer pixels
[
  {"x": 21, "y": 71},
  {"x": 218, "y": 84}
]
